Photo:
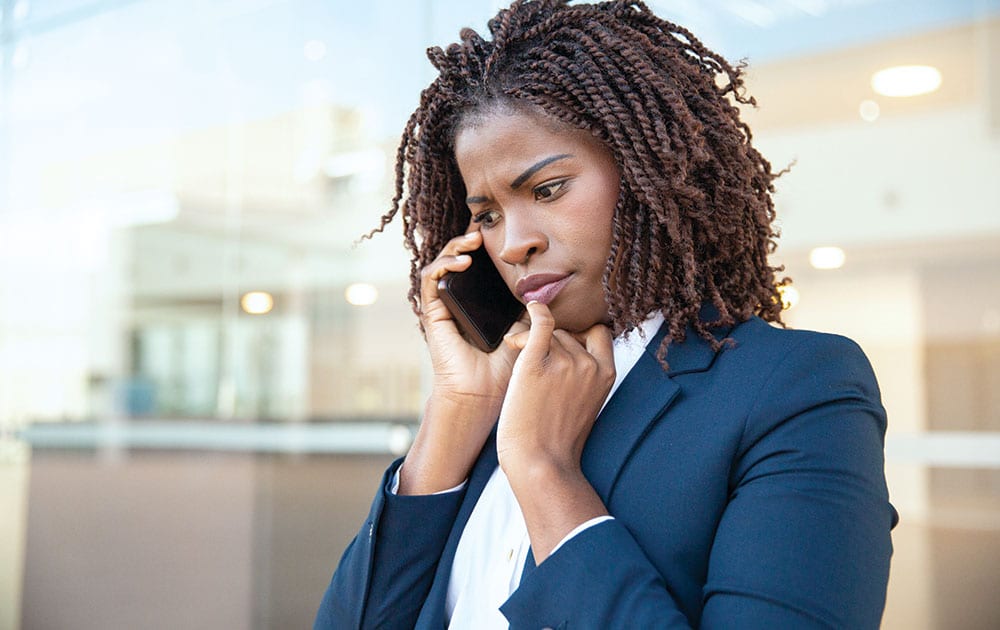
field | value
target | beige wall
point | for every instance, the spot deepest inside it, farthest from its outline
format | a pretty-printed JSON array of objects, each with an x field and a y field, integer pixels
[{"x": 188, "y": 540}]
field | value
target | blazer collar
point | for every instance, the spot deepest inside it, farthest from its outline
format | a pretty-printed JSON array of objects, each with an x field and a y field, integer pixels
[{"x": 639, "y": 402}]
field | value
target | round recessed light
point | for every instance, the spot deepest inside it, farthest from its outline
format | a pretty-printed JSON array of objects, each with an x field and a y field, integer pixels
[
  {"x": 361, "y": 294},
  {"x": 906, "y": 80},
  {"x": 827, "y": 258},
  {"x": 789, "y": 296},
  {"x": 869, "y": 111},
  {"x": 257, "y": 303}
]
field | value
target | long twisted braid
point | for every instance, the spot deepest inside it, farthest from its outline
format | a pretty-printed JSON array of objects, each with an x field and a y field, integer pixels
[{"x": 693, "y": 222}]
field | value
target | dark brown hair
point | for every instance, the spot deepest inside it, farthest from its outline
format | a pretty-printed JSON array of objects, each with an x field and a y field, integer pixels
[{"x": 693, "y": 222}]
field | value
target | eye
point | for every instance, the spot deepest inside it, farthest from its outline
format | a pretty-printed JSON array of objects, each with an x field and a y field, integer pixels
[
  {"x": 548, "y": 190},
  {"x": 488, "y": 218}
]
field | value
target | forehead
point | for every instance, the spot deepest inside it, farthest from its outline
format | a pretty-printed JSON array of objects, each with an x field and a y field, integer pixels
[{"x": 504, "y": 136}]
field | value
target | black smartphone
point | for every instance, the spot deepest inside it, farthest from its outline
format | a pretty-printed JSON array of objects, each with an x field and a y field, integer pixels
[{"x": 483, "y": 307}]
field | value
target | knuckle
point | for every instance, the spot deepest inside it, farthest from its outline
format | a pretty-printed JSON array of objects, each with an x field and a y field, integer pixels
[{"x": 609, "y": 378}]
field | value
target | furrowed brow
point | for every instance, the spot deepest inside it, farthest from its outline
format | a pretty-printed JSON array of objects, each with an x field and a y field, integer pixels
[
  {"x": 534, "y": 168},
  {"x": 523, "y": 177}
]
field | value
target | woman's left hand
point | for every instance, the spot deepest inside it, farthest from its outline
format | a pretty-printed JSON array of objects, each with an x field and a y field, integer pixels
[{"x": 559, "y": 382}]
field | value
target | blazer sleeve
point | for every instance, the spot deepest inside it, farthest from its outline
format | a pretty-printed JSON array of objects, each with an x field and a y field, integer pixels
[
  {"x": 803, "y": 541},
  {"x": 386, "y": 572}
]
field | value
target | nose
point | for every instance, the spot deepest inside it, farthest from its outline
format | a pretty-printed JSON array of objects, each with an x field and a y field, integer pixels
[{"x": 522, "y": 239}]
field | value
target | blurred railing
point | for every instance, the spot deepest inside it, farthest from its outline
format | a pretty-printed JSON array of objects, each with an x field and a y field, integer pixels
[
  {"x": 357, "y": 437},
  {"x": 966, "y": 449}
]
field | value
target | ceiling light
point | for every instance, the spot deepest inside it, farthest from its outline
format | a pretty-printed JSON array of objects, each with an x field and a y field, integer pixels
[
  {"x": 906, "y": 80},
  {"x": 361, "y": 294},
  {"x": 869, "y": 111},
  {"x": 789, "y": 296},
  {"x": 257, "y": 303},
  {"x": 827, "y": 258}
]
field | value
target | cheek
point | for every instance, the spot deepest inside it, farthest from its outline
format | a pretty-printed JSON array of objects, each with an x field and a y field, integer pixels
[
  {"x": 601, "y": 225},
  {"x": 608, "y": 217},
  {"x": 604, "y": 193},
  {"x": 492, "y": 247},
  {"x": 609, "y": 198}
]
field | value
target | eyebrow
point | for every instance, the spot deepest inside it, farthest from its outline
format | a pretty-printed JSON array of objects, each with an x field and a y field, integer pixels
[
  {"x": 523, "y": 177},
  {"x": 531, "y": 170}
]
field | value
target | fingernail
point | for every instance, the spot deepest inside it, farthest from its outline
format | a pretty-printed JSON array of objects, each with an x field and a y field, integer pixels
[{"x": 532, "y": 302}]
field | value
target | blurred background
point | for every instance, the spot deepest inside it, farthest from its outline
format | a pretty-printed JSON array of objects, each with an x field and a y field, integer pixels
[{"x": 201, "y": 379}]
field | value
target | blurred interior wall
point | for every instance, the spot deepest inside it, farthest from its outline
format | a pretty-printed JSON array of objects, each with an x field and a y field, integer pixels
[
  {"x": 14, "y": 474},
  {"x": 188, "y": 540}
]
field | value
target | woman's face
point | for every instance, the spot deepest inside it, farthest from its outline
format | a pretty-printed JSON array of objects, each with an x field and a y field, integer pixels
[{"x": 543, "y": 199}]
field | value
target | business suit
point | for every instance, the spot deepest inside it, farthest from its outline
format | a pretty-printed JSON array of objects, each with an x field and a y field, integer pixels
[{"x": 747, "y": 488}]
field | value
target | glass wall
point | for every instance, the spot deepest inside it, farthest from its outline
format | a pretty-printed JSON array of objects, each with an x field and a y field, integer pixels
[
  {"x": 163, "y": 160},
  {"x": 202, "y": 373}
]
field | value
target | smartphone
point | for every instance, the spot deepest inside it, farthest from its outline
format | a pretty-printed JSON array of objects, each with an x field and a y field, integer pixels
[{"x": 483, "y": 307}]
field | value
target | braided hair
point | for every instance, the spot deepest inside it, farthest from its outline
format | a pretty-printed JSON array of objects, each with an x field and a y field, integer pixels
[{"x": 693, "y": 221}]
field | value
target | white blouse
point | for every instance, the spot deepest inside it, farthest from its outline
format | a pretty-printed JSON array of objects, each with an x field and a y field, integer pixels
[{"x": 494, "y": 544}]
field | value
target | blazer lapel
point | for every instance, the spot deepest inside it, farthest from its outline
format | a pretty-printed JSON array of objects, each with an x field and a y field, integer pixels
[
  {"x": 640, "y": 400},
  {"x": 433, "y": 613}
]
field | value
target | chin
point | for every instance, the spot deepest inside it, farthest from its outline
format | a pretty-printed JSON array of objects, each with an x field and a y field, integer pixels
[{"x": 576, "y": 324}]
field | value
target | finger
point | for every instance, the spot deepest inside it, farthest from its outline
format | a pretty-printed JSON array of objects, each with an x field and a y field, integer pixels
[
  {"x": 517, "y": 336},
  {"x": 540, "y": 333},
  {"x": 569, "y": 341},
  {"x": 463, "y": 243},
  {"x": 521, "y": 325},
  {"x": 451, "y": 258},
  {"x": 432, "y": 274},
  {"x": 516, "y": 340}
]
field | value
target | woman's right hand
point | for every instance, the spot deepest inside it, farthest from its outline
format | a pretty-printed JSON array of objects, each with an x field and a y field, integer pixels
[{"x": 468, "y": 387}]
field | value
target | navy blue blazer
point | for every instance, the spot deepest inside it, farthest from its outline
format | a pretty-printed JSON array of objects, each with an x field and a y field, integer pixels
[{"x": 747, "y": 490}]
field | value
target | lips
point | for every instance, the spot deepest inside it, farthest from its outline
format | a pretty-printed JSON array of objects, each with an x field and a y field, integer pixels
[{"x": 541, "y": 287}]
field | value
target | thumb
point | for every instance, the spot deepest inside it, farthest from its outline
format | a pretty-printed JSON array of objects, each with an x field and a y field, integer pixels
[{"x": 516, "y": 341}]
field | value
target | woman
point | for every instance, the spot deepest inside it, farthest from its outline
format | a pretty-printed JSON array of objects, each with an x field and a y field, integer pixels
[{"x": 733, "y": 477}]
